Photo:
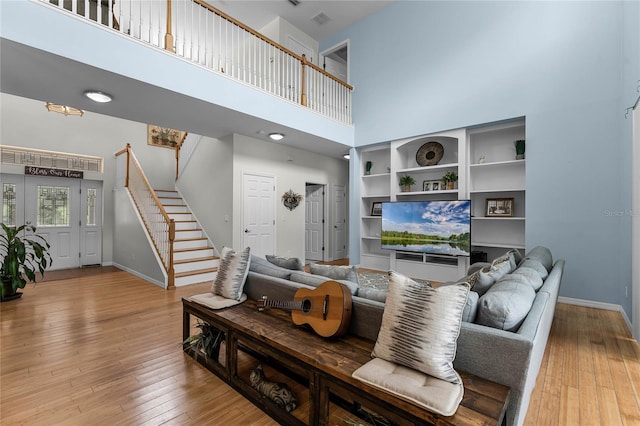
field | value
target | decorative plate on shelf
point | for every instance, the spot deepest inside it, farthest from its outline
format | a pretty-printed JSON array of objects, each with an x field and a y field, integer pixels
[{"x": 429, "y": 154}]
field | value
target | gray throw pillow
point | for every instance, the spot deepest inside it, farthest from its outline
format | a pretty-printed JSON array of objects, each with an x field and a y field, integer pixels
[
  {"x": 482, "y": 280},
  {"x": 372, "y": 294},
  {"x": 315, "y": 280},
  {"x": 261, "y": 266},
  {"x": 471, "y": 307},
  {"x": 535, "y": 265},
  {"x": 420, "y": 326},
  {"x": 292, "y": 263},
  {"x": 349, "y": 273},
  {"x": 232, "y": 273},
  {"x": 506, "y": 304}
]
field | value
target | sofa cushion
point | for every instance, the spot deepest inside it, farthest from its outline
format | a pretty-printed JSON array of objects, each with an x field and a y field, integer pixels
[
  {"x": 531, "y": 276},
  {"x": 470, "y": 311},
  {"x": 506, "y": 304},
  {"x": 420, "y": 326},
  {"x": 349, "y": 273},
  {"x": 292, "y": 263},
  {"x": 372, "y": 294},
  {"x": 542, "y": 255},
  {"x": 262, "y": 266},
  {"x": 535, "y": 265},
  {"x": 315, "y": 280},
  {"x": 232, "y": 273},
  {"x": 438, "y": 396}
]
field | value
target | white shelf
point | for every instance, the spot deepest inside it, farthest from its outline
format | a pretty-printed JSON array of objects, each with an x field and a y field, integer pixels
[
  {"x": 447, "y": 191},
  {"x": 487, "y": 191},
  {"x": 370, "y": 238},
  {"x": 497, "y": 218},
  {"x": 372, "y": 217},
  {"x": 497, "y": 245},
  {"x": 428, "y": 168},
  {"x": 376, "y": 196},
  {"x": 377, "y": 175},
  {"x": 497, "y": 164}
]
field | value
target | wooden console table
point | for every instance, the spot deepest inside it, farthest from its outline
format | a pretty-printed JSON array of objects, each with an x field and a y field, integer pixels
[{"x": 320, "y": 371}]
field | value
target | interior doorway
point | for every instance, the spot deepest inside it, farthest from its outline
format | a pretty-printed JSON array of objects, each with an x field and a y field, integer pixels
[
  {"x": 335, "y": 60},
  {"x": 258, "y": 212},
  {"x": 314, "y": 223}
]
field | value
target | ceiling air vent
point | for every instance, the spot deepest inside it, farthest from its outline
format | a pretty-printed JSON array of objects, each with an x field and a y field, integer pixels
[
  {"x": 294, "y": 2},
  {"x": 321, "y": 18}
]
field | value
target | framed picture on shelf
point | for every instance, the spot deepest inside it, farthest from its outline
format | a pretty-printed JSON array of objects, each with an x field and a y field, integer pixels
[
  {"x": 435, "y": 185},
  {"x": 426, "y": 185},
  {"x": 499, "y": 207},
  {"x": 376, "y": 208}
]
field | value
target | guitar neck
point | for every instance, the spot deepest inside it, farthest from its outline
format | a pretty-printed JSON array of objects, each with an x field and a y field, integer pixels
[{"x": 289, "y": 305}]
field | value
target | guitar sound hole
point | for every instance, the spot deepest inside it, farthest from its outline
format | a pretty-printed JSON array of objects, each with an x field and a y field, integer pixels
[{"x": 306, "y": 305}]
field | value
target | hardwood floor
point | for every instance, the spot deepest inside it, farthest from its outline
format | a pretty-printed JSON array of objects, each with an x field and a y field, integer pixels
[{"x": 103, "y": 347}]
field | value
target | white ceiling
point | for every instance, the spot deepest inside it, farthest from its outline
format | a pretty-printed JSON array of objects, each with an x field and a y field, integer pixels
[
  {"x": 39, "y": 75},
  {"x": 341, "y": 13}
]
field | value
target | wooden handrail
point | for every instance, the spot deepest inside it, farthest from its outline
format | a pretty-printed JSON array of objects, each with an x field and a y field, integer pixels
[{"x": 271, "y": 42}]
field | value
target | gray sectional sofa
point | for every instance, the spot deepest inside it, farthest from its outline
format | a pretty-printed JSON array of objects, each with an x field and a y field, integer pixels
[{"x": 505, "y": 326}]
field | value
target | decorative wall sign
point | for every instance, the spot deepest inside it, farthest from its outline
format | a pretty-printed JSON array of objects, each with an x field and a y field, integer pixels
[
  {"x": 429, "y": 154},
  {"x": 46, "y": 171},
  {"x": 164, "y": 136},
  {"x": 291, "y": 200}
]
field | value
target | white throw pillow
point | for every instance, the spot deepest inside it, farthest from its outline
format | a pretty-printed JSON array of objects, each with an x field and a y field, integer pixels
[
  {"x": 232, "y": 273},
  {"x": 420, "y": 326}
]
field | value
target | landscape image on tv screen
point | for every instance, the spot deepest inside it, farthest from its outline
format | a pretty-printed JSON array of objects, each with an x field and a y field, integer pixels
[{"x": 435, "y": 227}]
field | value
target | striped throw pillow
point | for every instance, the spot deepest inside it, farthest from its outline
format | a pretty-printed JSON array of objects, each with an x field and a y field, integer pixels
[
  {"x": 420, "y": 326},
  {"x": 232, "y": 273}
]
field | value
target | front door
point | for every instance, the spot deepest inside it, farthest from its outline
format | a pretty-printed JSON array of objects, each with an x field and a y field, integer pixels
[
  {"x": 314, "y": 222},
  {"x": 259, "y": 213},
  {"x": 68, "y": 218},
  {"x": 53, "y": 206}
]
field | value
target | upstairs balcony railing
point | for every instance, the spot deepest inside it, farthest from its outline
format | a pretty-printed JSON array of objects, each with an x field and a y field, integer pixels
[{"x": 197, "y": 31}]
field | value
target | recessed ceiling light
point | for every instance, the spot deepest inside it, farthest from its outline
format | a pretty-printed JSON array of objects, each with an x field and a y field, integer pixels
[
  {"x": 346, "y": 156},
  {"x": 276, "y": 136},
  {"x": 98, "y": 96}
]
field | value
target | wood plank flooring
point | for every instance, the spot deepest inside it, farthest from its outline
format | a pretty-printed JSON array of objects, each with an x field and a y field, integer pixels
[{"x": 103, "y": 347}]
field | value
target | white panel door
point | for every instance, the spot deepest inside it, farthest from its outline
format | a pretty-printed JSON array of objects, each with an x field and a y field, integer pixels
[
  {"x": 53, "y": 206},
  {"x": 91, "y": 223},
  {"x": 259, "y": 213},
  {"x": 314, "y": 222},
  {"x": 339, "y": 222}
]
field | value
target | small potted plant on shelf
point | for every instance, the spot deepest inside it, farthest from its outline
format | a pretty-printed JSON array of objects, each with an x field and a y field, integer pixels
[
  {"x": 22, "y": 256},
  {"x": 406, "y": 182},
  {"x": 206, "y": 342},
  {"x": 450, "y": 180},
  {"x": 519, "y": 149}
]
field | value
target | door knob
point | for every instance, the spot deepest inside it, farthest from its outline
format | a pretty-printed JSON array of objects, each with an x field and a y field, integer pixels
[{"x": 246, "y": 231}]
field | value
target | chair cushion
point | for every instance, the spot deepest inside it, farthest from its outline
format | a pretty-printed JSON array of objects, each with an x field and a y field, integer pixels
[
  {"x": 435, "y": 395},
  {"x": 531, "y": 276},
  {"x": 420, "y": 326},
  {"x": 292, "y": 263},
  {"x": 541, "y": 254},
  {"x": 232, "y": 273},
  {"x": 536, "y": 265},
  {"x": 213, "y": 301}
]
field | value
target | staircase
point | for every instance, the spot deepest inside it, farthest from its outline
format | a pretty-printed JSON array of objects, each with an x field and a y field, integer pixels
[{"x": 195, "y": 260}]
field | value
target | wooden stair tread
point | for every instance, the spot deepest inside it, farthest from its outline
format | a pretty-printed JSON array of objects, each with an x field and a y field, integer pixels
[
  {"x": 197, "y": 259},
  {"x": 196, "y": 272},
  {"x": 189, "y": 239},
  {"x": 191, "y": 249},
  {"x": 189, "y": 230}
]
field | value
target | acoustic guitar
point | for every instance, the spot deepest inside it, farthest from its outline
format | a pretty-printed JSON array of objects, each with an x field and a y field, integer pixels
[{"x": 327, "y": 308}]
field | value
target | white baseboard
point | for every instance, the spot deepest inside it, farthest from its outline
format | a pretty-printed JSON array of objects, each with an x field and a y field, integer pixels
[
  {"x": 597, "y": 305},
  {"x": 139, "y": 275}
]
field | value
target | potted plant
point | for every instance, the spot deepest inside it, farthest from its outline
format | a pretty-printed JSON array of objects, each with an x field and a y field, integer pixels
[
  {"x": 449, "y": 180},
  {"x": 22, "y": 256},
  {"x": 519, "y": 149},
  {"x": 207, "y": 341},
  {"x": 406, "y": 182}
]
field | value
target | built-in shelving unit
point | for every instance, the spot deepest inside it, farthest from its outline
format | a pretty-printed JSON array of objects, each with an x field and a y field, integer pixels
[{"x": 498, "y": 174}]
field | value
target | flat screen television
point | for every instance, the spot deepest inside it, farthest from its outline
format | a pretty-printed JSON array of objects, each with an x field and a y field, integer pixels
[{"x": 434, "y": 227}]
